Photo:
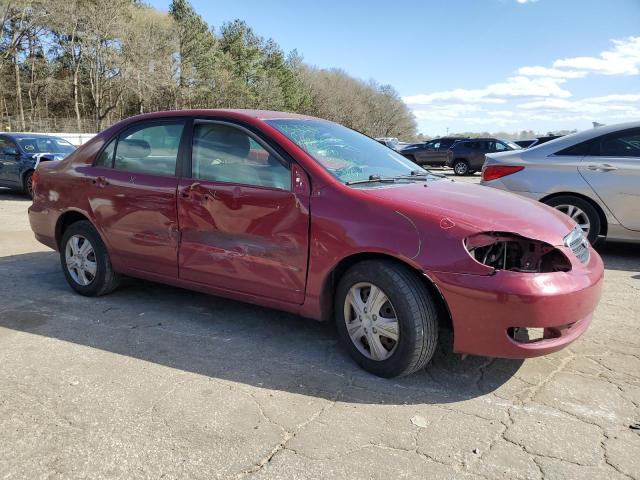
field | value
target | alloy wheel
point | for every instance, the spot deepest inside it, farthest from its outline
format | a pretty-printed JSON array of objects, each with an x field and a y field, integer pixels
[
  {"x": 460, "y": 168},
  {"x": 577, "y": 214},
  {"x": 29, "y": 185},
  {"x": 81, "y": 261},
  {"x": 371, "y": 321}
]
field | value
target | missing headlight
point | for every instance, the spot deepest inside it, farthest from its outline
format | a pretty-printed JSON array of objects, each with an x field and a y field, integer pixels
[{"x": 506, "y": 251}]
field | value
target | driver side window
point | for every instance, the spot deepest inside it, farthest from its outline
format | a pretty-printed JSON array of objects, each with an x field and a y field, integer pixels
[
  {"x": 224, "y": 153},
  {"x": 8, "y": 147}
]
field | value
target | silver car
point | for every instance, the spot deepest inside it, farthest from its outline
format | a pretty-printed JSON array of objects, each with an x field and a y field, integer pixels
[{"x": 593, "y": 176}]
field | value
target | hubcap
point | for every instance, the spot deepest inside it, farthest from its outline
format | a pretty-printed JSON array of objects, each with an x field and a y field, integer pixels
[
  {"x": 460, "y": 168},
  {"x": 81, "y": 260},
  {"x": 578, "y": 215},
  {"x": 371, "y": 321}
]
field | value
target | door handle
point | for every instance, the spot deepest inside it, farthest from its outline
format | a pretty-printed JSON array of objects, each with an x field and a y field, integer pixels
[
  {"x": 189, "y": 189},
  {"x": 100, "y": 182},
  {"x": 603, "y": 167}
]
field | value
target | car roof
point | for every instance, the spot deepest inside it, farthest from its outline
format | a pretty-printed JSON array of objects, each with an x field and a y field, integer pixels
[
  {"x": 224, "y": 112},
  {"x": 560, "y": 143},
  {"x": 15, "y": 135},
  {"x": 479, "y": 139}
]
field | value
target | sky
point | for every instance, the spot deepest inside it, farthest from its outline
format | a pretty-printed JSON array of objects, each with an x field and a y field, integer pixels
[{"x": 468, "y": 65}]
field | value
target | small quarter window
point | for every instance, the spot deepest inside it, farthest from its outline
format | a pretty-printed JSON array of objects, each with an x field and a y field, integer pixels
[
  {"x": 578, "y": 150},
  {"x": 105, "y": 159}
]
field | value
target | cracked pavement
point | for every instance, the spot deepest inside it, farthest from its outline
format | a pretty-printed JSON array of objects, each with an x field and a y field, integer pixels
[{"x": 155, "y": 381}]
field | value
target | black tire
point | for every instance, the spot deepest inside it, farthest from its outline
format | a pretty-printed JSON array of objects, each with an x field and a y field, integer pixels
[
  {"x": 586, "y": 207},
  {"x": 411, "y": 157},
  {"x": 27, "y": 184},
  {"x": 460, "y": 167},
  {"x": 414, "y": 308},
  {"x": 105, "y": 279}
]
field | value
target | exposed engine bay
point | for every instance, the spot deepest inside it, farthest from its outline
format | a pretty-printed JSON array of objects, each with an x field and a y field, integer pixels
[{"x": 507, "y": 251}]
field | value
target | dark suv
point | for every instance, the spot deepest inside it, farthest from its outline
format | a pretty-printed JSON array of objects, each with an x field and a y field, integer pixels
[
  {"x": 467, "y": 156},
  {"x": 433, "y": 152}
]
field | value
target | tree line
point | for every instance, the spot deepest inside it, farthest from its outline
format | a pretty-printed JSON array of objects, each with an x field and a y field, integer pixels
[{"x": 81, "y": 65}]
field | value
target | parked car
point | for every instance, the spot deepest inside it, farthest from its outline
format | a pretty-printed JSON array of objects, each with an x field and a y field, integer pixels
[
  {"x": 593, "y": 176},
  {"x": 20, "y": 154},
  {"x": 524, "y": 143},
  {"x": 392, "y": 142},
  {"x": 433, "y": 152},
  {"x": 307, "y": 216},
  {"x": 467, "y": 156},
  {"x": 535, "y": 141}
]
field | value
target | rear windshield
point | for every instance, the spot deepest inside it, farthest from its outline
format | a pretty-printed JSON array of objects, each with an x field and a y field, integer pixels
[{"x": 45, "y": 145}]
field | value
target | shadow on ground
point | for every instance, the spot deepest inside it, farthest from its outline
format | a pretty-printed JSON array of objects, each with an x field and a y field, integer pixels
[
  {"x": 11, "y": 194},
  {"x": 222, "y": 338},
  {"x": 621, "y": 256}
]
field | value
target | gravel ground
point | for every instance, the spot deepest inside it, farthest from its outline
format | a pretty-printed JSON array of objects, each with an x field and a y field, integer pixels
[{"x": 154, "y": 381}]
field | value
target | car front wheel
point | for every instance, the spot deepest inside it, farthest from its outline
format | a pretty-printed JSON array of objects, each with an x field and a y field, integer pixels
[
  {"x": 461, "y": 167},
  {"x": 85, "y": 261},
  {"x": 386, "y": 318}
]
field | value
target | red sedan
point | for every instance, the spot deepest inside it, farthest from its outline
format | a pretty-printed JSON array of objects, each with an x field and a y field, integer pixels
[{"x": 305, "y": 215}]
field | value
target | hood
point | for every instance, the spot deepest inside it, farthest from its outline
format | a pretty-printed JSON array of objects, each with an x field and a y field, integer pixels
[
  {"x": 474, "y": 208},
  {"x": 48, "y": 156}
]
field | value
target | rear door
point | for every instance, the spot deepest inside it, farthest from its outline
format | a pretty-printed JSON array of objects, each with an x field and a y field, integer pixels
[
  {"x": 612, "y": 168},
  {"x": 133, "y": 196},
  {"x": 244, "y": 215},
  {"x": 428, "y": 153}
]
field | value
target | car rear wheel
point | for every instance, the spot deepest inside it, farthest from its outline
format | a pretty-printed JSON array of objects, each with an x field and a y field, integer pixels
[
  {"x": 460, "y": 167},
  {"x": 28, "y": 184},
  {"x": 386, "y": 318},
  {"x": 85, "y": 261},
  {"x": 410, "y": 157},
  {"x": 581, "y": 211}
]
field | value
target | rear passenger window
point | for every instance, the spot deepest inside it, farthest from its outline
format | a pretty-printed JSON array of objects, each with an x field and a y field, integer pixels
[
  {"x": 151, "y": 149},
  {"x": 621, "y": 144},
  {"x": 225, "y": 153}
]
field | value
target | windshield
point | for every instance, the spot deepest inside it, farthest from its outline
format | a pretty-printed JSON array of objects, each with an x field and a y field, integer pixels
[
  {"x": 45, "y": 145},
  {"x": 346, "y": 154}
]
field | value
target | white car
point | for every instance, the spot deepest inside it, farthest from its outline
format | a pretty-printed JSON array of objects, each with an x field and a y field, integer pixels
[{"x": 593, "y": 176}]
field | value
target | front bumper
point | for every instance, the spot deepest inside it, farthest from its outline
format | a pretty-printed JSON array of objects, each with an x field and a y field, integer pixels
[{"x": 485, "y": 310}]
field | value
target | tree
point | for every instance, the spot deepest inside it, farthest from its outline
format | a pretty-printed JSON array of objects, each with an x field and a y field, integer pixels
[
  {"x": 196, "y": 47},
  {"x": 84, "y": 64}
]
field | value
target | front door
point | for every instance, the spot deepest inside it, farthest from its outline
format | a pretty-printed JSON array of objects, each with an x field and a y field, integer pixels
[
  {"x": 133, "y": 197},
  {"x": 613, "y": 170},
  {"x": 9, "y": 156},
  {"x": 243, "y": 226}
]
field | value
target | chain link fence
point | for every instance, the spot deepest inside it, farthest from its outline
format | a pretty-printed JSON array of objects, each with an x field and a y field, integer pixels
[{"x": 52, "y": 125}]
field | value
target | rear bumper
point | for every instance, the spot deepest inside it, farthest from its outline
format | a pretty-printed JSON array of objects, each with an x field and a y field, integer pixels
[
  {"x": 486, "y": 310},
  {"x": 40, "y": 222}
]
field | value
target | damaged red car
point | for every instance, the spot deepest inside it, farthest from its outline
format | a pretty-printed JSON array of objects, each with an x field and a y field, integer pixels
[{"x": 305, "y": 215}]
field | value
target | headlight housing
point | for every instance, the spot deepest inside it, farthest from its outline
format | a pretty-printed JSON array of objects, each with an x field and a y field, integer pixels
[{"x": 508, "y": 251}]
